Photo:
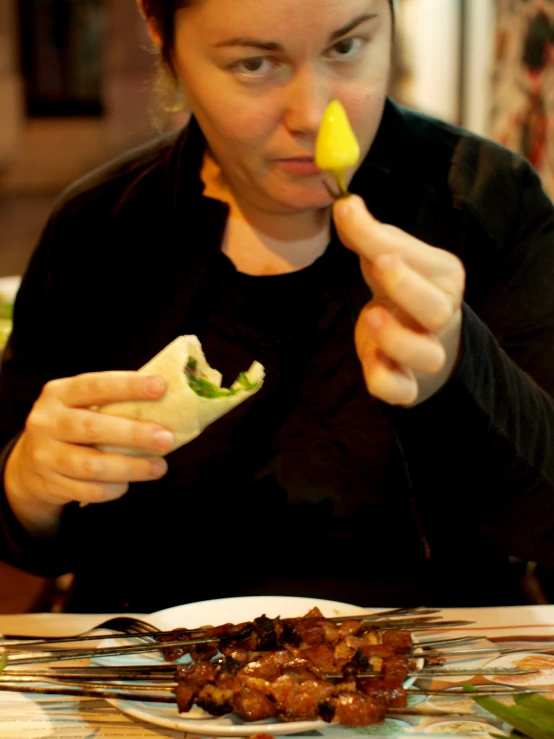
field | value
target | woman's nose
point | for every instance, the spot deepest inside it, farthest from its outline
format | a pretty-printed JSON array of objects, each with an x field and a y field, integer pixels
[{"x": 308, "y": 95}]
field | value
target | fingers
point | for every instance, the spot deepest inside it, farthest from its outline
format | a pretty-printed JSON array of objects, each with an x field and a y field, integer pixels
[
  {"x": 414, "y": 350},
  {"x": 385, "y": 379},
  {"x": 363, "y": 234},
  {"x": 88, "y": 427},
  {"x": 85, "y": 492},
  {"x": 107, "y": 491},
  {"x": 401, "y": 361},
  {"x": 409, "y": 346},
  {"x": 68, "y": 472},
  {"x": 89, "y": 465},
  {"x": 100, "y": 388},
  {"x": 420, "y": 298},
  {"x": 54, "y": 462}
]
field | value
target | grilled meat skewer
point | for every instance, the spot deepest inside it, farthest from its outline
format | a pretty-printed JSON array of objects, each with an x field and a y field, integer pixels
[
  {"x": 266, "y": 634},
  {"x": 284, "y": 686},
  {"x": 11, "y": 640},
  {"x": 262, "y": 634}
]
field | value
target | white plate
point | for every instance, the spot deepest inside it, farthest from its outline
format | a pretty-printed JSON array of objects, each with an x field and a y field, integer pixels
[
  {"x": 232, "y": 610},
  {"x": 542, "y": 663}
]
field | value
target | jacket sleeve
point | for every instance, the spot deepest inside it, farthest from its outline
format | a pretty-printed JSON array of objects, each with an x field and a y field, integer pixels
[
  {"x": 482, "y": 449},
  {"x": 30, "y": 359}
]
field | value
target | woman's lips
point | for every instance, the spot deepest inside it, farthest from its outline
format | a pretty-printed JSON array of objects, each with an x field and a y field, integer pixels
[{"x": 299, "y": 166}]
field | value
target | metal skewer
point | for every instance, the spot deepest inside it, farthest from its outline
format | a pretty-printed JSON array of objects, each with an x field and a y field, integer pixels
[
  {"x": 11, "y": 640},
  {"x": 28, "y": 657},
  {"x": 448, "y": 641},
  {"x": 154, "y": 636},
  {"x": 165, "y": 694},
  {"x": 385, "y": 624},
  {"x": 377, "y": 615},
  {"x": 477, "y": 693},
  {"x": 88, "y": 691},
  {"x": 430, "y": 672},
  {"x": 162, "y": 672}
]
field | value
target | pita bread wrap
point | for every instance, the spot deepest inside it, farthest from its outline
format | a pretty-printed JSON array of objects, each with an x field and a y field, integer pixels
[{"x": 182, "y": 409}]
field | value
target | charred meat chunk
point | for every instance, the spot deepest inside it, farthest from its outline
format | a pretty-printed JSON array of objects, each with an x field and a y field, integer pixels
[
  {"x": 399, "y": 642},
  {"x": 299, "y": 701},
  {"x": 357, "y": 709},
  {"x": 196, "y": 651},
  {"x": 215, "y": 700},
  {"x": 390, "y": 692},
  {"x": 253, "y": 704}
]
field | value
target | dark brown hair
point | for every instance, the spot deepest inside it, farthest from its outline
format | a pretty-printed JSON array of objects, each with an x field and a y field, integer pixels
[{"x": 161, "y": 15}]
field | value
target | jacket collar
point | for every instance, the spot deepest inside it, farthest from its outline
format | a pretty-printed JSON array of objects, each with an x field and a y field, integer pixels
[
  {"x": 378, "y": 178},
  {"x": 374, "y": 182}
]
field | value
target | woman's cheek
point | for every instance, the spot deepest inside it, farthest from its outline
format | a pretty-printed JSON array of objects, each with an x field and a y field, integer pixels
[
  {"x": 364, "y": 112},
  {"x": 241, "y": 119}
]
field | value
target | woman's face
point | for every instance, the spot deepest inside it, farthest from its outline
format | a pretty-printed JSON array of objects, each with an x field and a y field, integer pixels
[{"x": 258, "y": 75}]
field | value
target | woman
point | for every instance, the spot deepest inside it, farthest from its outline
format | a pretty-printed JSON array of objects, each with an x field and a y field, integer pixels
[{"x": 400, "y": 468}]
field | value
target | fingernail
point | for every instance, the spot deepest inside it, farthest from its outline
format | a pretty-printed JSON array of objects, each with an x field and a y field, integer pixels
[
  {"x": 163, "y": 439},
  {"x": 159, "y": 468},
  {"x": 341, "y": 209},
  {"x": 346, "y": 207},
  {"x": 155, "y": 385}
]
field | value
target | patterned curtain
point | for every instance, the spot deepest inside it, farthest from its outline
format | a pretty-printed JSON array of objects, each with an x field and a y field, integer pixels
[{"x": 523, "y": 83}]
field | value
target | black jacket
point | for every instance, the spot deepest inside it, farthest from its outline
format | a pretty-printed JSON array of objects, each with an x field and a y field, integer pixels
[{"x": 123, "y": 259}]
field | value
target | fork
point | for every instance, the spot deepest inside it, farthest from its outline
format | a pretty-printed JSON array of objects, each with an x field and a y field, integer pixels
[
  {"x": 131, "y": 625},
  {"x": 124, "y": 624}
]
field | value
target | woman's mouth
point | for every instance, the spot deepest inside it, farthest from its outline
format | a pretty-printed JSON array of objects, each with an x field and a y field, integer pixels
[{"x": 303, "y": 166}]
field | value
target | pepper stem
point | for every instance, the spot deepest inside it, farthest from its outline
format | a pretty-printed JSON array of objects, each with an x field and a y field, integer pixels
[{"x": 339, "y": 174}]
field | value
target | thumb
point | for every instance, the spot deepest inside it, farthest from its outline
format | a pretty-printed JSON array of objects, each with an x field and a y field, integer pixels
[{"x": 356, "y": 227}]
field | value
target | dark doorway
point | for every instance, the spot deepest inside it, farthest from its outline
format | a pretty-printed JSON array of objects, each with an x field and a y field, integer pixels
[{"x": 61, "y": 43}]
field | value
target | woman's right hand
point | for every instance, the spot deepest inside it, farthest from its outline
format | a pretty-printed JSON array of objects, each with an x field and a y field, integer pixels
[{"x": 53, "y": 462}]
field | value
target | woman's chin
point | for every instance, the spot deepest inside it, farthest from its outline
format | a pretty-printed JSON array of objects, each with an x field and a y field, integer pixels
[{"x": 300, "y": 199}]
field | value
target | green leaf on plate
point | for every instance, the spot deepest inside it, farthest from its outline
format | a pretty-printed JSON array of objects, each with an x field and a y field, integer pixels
[{"x": 529, "y": 721}]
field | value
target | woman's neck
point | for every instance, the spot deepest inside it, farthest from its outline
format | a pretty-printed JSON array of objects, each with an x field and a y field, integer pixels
[{"x": 261, "y": 243}]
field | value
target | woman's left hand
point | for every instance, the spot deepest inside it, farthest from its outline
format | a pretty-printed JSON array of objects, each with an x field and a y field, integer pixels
[{"x": 408, "y": 337}]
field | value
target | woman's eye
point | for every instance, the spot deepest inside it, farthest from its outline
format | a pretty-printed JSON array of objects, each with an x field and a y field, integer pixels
[
  {"x": 346, "y": 49},
  {"x": 254, "y": 66}
]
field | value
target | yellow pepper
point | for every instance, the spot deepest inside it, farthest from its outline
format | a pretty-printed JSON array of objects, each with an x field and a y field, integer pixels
[{"x": 336, "y": 148}]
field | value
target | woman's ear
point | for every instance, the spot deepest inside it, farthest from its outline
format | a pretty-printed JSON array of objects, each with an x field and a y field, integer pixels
[{"x": 152, "y": 30}]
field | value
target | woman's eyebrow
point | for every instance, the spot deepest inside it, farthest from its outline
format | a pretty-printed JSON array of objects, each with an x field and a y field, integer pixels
[
  {"x": 352, "y": 25},
  {"x": 276, "y": 47},
  {"x": 256, "y": 43}
]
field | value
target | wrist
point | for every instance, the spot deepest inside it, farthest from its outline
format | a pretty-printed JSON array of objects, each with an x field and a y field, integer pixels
[{"x": 39, "y": 517}]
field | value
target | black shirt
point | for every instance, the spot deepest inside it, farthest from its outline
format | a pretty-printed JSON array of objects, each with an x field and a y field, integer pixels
[
  {"x": 317, "y": 476},
  {"x": 311, "y": 487}
]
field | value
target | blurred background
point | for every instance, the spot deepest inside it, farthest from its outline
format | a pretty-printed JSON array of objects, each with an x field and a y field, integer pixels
[{"x": 75, "y": 80}]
